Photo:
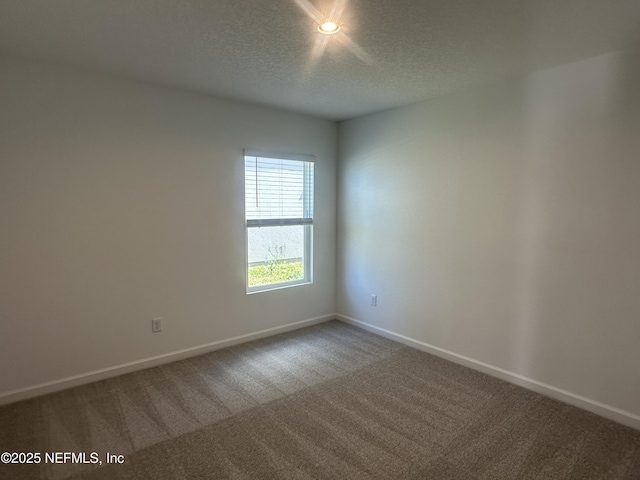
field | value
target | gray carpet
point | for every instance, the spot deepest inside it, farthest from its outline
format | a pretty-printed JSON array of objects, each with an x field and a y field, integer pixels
[{"x": 326, "y": 402}]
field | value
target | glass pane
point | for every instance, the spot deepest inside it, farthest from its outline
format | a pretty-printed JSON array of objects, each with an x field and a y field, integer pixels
[{"x": 276, "y": 254}]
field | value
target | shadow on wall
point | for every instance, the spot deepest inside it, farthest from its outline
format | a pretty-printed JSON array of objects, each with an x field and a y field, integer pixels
[{"x": 579, "y": 234}]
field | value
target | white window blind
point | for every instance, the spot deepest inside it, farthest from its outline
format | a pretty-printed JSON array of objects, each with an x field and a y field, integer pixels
[{"x": 278, "y": 189}]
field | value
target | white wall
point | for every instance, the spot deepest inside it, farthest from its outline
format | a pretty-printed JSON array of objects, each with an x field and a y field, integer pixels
[
  {"x": 265, "y": 243},
  {"x": 503, "y": 224},
  {"x": 121, "y": 202}
]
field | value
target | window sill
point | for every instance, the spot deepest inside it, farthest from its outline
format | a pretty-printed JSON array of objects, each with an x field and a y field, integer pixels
[{"x": 276, "y": 286}]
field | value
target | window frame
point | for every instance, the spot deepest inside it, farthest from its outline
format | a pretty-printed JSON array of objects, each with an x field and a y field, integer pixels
[{"x": 306, "y": 222}]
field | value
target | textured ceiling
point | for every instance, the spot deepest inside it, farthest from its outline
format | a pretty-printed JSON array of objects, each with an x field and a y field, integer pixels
[{"x": 389, "y": 52}]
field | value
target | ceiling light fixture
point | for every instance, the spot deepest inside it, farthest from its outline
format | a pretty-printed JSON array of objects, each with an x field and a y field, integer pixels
[{"x": 329, "y": 27}]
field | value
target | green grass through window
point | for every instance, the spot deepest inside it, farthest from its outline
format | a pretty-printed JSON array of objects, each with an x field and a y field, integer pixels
[{"x": 275, "y": 273}]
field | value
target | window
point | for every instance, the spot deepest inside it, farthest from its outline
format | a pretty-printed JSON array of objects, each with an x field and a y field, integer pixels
[{"x": 279, "y": 219}]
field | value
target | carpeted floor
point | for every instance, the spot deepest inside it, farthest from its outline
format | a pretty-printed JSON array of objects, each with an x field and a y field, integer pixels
[{"x": 326, "y": 402}]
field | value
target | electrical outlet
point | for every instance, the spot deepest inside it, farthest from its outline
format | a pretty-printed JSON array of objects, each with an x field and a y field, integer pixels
[
  {"x": 374, "y": 300},
  {"x": 156, "y": 325}
]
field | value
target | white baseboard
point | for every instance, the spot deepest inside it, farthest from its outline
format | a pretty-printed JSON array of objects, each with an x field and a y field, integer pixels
[
  {"x": 607, "y": 411},
  {"x": 95, "y": 375}
]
